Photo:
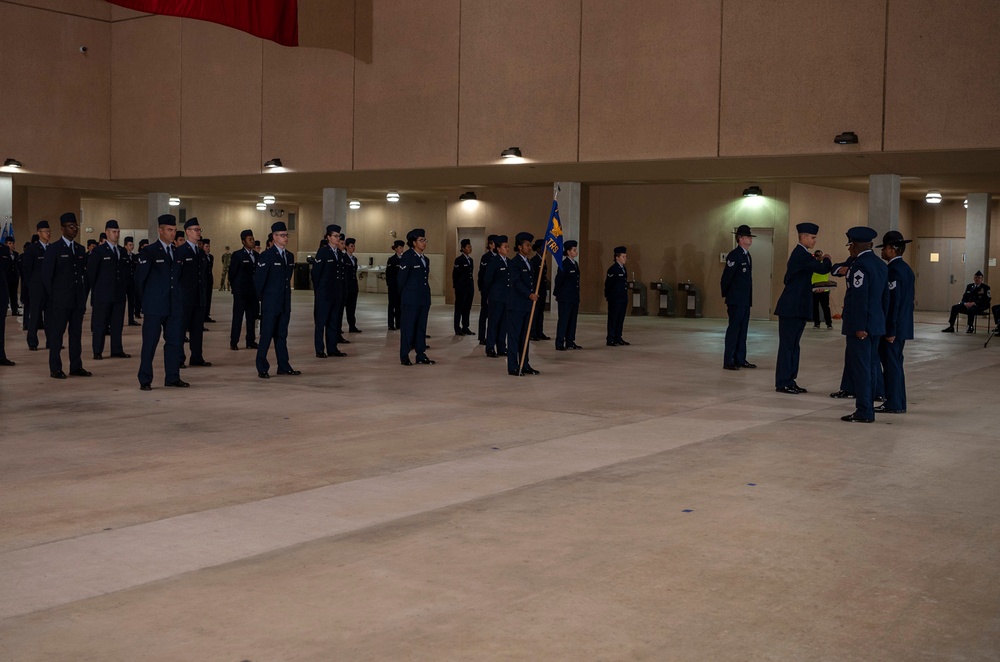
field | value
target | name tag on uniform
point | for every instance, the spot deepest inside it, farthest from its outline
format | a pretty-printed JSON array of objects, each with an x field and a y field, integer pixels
[
  {"x": 503, "y": 268},
  {"x": 64, "y": 255},
  {"x": 277, "y": 264},
  {"x": 160, "y": 260},
  {"x": 188, "y": 259},
  {"x": 108, "y": 257}
]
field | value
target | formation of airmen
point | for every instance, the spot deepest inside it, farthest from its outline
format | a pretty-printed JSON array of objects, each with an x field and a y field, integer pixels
[{"x": 168, "y": 286}]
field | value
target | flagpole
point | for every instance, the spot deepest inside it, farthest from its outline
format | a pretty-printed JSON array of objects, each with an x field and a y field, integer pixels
[{"x": 538, "y": 287}]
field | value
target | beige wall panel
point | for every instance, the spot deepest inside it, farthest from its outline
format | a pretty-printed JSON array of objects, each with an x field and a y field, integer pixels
[
  {"x": 55, "y": 98},
  {"x": 795, "y": 74},
  {"x": 519, "y": 80},
  {"x": 308, "y": 108},
  {"x": 123, "y": 14},
  {"x": 942, "y": 75},
  {"x": 948, "y": 220},
  {"x": 146, "y": 98},
  {"x": 95, "y": 212},
  {"x": 406, "y": 103},
  {"x": 35, "y": 204},
  {"x": 650, "y": 79},
  {"x": 221, "y": 100},
  {"x": 675, "y": 233},
  {"x": 97, "y": 9}
]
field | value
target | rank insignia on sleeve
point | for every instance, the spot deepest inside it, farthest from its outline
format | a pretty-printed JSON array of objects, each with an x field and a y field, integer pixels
[{"x": 859, "y": 278}]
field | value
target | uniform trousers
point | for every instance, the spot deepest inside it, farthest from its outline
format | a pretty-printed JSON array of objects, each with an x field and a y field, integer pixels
[
  {"x": 172, "y": 328},
  {"x": 58, "y": 320},
  {"x": 131, "y": 304},
  {"x": 104, "y": 316},
  {"x": 968, "y": 312},
  {"x": 413, "y": 330},
  {"x": 3, "y": 329},
  {"x": 821, "y": 300},
  {"x": 891, "y": 356},
  {"x": 863, "y": 364},
  {"x": 484, "y": 316},
  {"x": 326, "y": 319},
  {"x": 786, "y": 368},
  {"x": 351, "y": 307},
  {"x": 539, "y": 320},
  {"x": 393, "y": 311},
  {"x": 273, "y": 327},
  {"x": 566, "y": 326},
  {"x": 517, "y": 333},
  {"x": 463, "y": 306},
  {"x": 736, "y": 335},
  {"x": 194, "y": 325},
  {"x": 36, "y": 320},
  {"x": 496, "y": 329},
  {"x": 244, "y": 307},
  {"x": 616, "y": 318}
]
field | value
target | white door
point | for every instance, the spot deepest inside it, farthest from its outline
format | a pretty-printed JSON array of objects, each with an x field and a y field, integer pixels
[
  {"x": 940, "y": 269},
  {"x": 762, "y": 254},
  {"x": 478, "y": 238}
]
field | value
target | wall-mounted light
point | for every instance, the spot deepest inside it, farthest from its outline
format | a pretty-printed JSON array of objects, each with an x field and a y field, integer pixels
[
  {"x": 933, "y": 197},
  {"x": 174, "y": 202},
  {"x": 965, "y": 203},
  {"x": 268, "y": 199},
  {"x": 468, "y": 195},
  {"x": 392, "y": 196},
  {"x": 261, "y": 206},
  {"x": 511, "y": 153},
  {"x": 12, "y": 163},
  {"x": 277, "y": 213},
  {"x": 354, "y": 204},
  {"x": 273, "y": 163},
  {"x": 752, "y": 192},
  {"x": 846, "y": 138}
]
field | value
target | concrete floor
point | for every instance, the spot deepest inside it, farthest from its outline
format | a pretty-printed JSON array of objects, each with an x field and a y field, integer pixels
[{"x": 633, "y": 503}]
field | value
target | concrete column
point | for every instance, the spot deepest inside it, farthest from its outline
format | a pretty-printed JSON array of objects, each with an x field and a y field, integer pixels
[
  {"x": 977, "y": 234},
  {"x": 334, "y": 209},
  {"x": 158, "y": 205},
  {"x": 883, "y": 203},
  {"x": 7, "y": 204}
]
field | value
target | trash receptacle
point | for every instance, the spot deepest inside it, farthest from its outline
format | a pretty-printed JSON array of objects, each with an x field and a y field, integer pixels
[
  {"x": 666, "y": 307},
  {"x": 638, "y": 291},
  {"x": 692, "y": 300},
  {"x": 301, "y": 279}
]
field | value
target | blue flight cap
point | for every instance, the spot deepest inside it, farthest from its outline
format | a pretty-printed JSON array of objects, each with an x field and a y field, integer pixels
[
  {"x": 330, "y": 229},
  {"x": 42, "y": 225},
  {"x": 807, "y": 228},
  {"x": 522, "y": 237},
  {"x": 499, "y": 239},
  {"x": 466, "y": 242},
  {"x": 112, "y": 224},
  {"x": 279, "y": 227},
  {"x": 192, "y": 223},
  {"x": 861, "y": 234},
  {"x": 572, "y": 243},
  {"x": 166, "y": 219},
  {"x": 245, "y": 234},
  {"x": 620, "y": 250},
  {"x": 67, "y": 218}
]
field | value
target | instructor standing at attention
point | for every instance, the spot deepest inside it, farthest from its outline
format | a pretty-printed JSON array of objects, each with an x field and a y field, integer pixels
[
  {"x": 794, "y": 307},
  {"x": 737, "y": 288}
]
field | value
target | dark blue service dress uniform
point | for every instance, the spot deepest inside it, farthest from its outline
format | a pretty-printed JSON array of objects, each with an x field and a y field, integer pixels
[
  {"x": 31, "y": 272},
  {"x": 737, "y": 288},
  {"x": 464, "y": 283},
  {"x": 6, "y": 273},
  {"x": 392, "y": 284},
  {"x": 64, "y": 273},
  {"x": 351, "y": 289},
  {"x": 567, "y": 293},
  {"x": 866, "y": 303},
  {"x": 496, "y": 284},
  {"x": 328, "y": 291},
  {"x": 415, "y": 302},
  {"x": 794, "y": 309},
  {"x": 156, "y": 278},
  {"x": 242, "y": 265},
  {"x": 484, "y": 303},
  {"x": 616, "y": 294},
  {"x": 273, "y": 283},
  {"x": 108, "y": 271},
  {"x": 899, "y": 326},
  {"x": 193, "y": 279},
  {"x": 540, "y": 270},
  {"x": 522, "y": 286}
]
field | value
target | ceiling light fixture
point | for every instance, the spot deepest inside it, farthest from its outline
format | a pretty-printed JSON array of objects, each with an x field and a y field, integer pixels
[
  {"x": 511, "y": 153},
  {"x": 261, "y": 206},
  {"x": 392, "y": 196},
  {"x": 268, "y": 199},
  {"x": 12, "y": 163},
  {"x": 273, "y": 163},
  {"x": 933, "y": 197},
  {"x": 354, "y": 204},
  {"x": 174, "y": 202},
  {"x": 468, "y": 195},
  {"x": 752, "y": 191},
  {"x": 846, "y": 138}
]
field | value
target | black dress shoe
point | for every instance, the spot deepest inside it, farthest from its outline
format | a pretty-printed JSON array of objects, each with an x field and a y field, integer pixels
[
  {"x": 179, "y": 383},
  {"x": 970, "y": 330},
  {"x": 490, "y": 353},
  {"x": 883, "y": 410},
  {"x": 343, "y": 341},
  {"x": 392, "y": 328},
  {"x": 58, "y": 374},
  {"x": 459, "y": 333},
  {"x": 235, "y": 348},
  {"x": 623, "y": 342},
  {"x": 730, "y": 367},
  {"x": 203, "y": 364},
  {"x": 880, "y": 398},
  {"x": 612, "y": 343},
  {"x": 405, "y": 362},
  {"x": 138, "y": 317},
  {"x": 468, "y": 332},
  {"x": 426, "y": 336},
  {"x": 121, "y": 355},
  {"x": 187, "y": 339},
  {"x": 98, "y": 357},
  {"x": 502, "y": 353},
  {"x": 210, "y": 320},
  {"x": 320, "y": 355},
  {"x": 263, "y": 375},
  {"x": 528, "y": 370},
  {"x": 799, "y": 388},
  {"x": 33, "y": 349},
  {"x": 543, "y": 337},
  {"x": 336, "y": 352},
  {"x": 425, "y": 361},
  {"x": 290, "y": 372},
  {"x": 842, "y": 395},
  {"x": 854, "y": 418},
  {"x": 354, "y": 330},
  {"x": 572, "y": 345},
  {"x": 134, "y": 324},
  {"x": 747, "y": 364},
  {"x": 791, "y": 390},
  {"x": 514, "y": 373},
  {"x": 184, "y": 366},
  {"x": 6, "y": 362},
  {"x": 482, "y": 342},
  {"x": 81, "y": 373},
  {"x": 535, "y": 338},
  {"x": 949, "y": 329},
  {"x": 252, "y": 345},
  {"x": 145, "y": 387},
  {"x": 560, "y": 349}
]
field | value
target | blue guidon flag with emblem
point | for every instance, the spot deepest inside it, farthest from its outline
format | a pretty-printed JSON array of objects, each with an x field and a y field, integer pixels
[{"x": 554, "y": 233}]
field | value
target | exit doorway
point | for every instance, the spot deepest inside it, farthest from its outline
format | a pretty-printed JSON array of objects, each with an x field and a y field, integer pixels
[{"x": 940, "y": 270}]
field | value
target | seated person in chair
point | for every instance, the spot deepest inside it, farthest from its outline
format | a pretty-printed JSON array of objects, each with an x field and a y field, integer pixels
[{"x": 976, "y": 300}]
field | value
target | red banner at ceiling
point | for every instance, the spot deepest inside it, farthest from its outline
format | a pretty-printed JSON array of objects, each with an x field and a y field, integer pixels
[{"x": 276, "y": 20}]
